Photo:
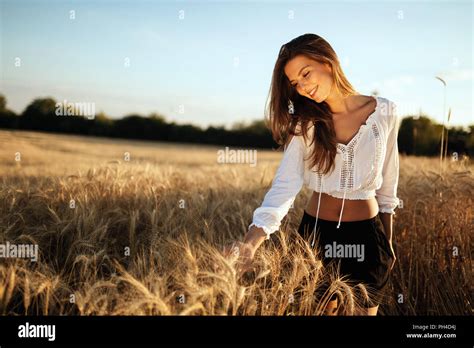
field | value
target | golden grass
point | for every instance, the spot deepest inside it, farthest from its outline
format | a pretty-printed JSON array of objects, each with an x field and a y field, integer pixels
[{"x": 175, "y": 207}]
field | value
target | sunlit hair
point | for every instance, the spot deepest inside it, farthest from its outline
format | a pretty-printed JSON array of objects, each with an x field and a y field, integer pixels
[{"x": 287, "y": 108}]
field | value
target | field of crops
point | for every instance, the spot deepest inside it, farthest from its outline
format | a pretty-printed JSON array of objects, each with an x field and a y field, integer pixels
[{"x": 127, "y": 227}]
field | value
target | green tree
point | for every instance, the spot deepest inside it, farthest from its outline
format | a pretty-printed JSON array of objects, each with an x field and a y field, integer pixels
[
  {"x": 40, "y": 115},
  {"x": 8, "y": 119}
]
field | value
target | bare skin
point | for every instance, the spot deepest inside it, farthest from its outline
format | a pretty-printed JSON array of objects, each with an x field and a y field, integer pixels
[{"x": 314, "y": 80}]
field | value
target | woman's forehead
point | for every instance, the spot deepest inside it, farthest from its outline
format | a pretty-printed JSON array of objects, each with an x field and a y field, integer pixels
[{"x": 295, "y": 65}]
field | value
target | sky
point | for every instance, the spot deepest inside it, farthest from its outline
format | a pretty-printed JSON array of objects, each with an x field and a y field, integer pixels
[{"x": 211, "y": 62}]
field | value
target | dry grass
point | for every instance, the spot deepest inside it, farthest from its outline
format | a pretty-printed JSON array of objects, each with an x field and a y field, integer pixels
[{"x": 175, "y": 207}]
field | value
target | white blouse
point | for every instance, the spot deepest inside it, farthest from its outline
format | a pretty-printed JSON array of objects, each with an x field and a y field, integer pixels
[{"x": 368, "y": 166}]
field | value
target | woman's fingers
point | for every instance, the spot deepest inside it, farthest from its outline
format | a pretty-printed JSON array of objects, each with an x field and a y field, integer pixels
[
  {"x": 231, "y": 250},
  {"x": 394, "y": 260},
  {"x": 246, "y": 258},
  {"x": 244, "y": 254},
  {"x": 393, "y": 254},
  {"x": 244, "y": 266}
]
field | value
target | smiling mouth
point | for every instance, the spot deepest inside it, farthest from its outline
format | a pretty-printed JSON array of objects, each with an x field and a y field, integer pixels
[{"x": 313, "y": 91}]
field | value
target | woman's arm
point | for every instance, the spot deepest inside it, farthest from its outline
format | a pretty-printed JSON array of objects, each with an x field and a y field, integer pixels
[
  {"x": 255, "y": 236},
  {"x": 386, "y": 195},
  {"x": 267, "y": 218},
  {"x": 387, "y": 222},
  {"x": 286, "y": 185}
]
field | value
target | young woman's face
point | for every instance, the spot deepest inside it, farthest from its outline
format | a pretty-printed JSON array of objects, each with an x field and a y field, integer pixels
[{"x": 310, "y": 78}]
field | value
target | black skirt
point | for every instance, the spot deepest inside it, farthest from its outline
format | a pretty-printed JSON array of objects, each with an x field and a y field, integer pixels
[{"x": 360, "y": 250}]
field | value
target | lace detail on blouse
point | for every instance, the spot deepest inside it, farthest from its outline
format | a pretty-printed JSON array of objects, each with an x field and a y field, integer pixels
[{"x": 378, "y": 156}]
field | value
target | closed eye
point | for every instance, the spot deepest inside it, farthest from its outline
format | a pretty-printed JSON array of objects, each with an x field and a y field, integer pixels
[{"x": 305, "y": 75}]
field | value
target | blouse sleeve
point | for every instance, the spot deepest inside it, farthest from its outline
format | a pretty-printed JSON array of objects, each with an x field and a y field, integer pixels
[
  {"x": 286, "y": 184},
  {"x": 386, "y": 195}
]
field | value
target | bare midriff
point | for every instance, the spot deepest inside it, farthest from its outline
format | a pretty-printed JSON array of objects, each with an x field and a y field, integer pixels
[{"x": 354, "y": 209}]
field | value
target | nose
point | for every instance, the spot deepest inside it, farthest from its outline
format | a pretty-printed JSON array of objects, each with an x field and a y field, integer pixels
[{"x": 302, "y": 86}]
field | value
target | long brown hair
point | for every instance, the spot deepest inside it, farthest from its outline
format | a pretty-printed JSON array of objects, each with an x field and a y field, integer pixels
[{"x": 287, "y": 108}]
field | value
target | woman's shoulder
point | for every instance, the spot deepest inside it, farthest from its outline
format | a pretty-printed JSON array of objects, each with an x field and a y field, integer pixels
[
  {"x": 308, "y": 127},
  {"x": 387, "y": 112}
]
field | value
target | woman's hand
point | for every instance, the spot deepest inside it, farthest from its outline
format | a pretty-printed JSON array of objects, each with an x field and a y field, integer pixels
[
  {"x": 244, "y": 252},
  {"x": 387, "y": 222},
  {"x": 393, "y": 254}
]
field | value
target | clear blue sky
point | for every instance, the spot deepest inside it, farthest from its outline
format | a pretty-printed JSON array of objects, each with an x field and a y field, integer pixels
[{"x": 214, "y": 65}]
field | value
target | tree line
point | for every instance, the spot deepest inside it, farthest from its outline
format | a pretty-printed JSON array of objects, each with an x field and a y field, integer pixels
[{"x": 418, "y": 134}]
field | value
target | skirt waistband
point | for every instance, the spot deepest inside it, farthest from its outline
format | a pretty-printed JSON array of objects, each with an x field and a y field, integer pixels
[{"x": 334, "y": 223}]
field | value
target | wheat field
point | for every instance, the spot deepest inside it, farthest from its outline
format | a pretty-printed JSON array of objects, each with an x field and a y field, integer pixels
[{"x": 137, "y": 228}]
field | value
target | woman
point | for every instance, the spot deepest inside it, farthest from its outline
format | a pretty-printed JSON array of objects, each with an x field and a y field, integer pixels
[{"x": 353, "y": 167}]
